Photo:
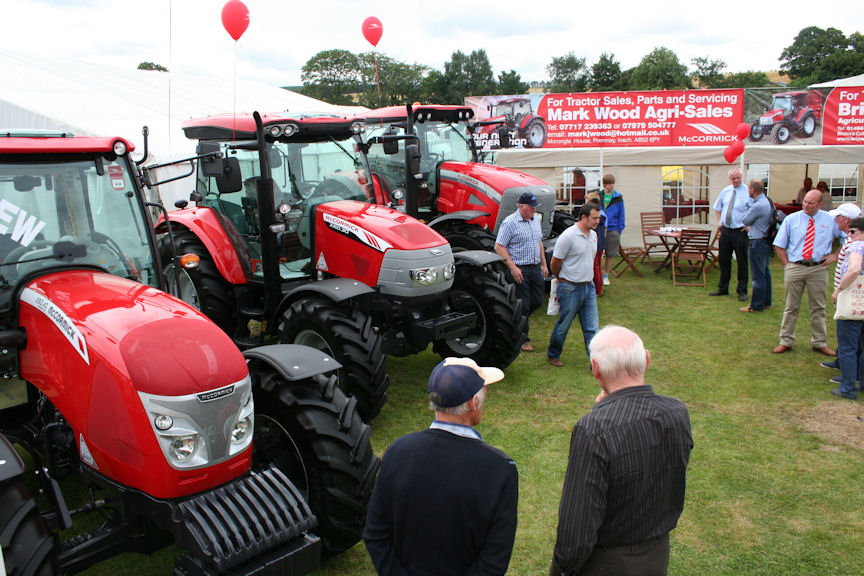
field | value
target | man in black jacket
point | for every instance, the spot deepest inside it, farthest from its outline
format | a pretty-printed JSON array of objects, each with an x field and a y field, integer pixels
[
  {"x": 445, "y": 501},
  {"x": 624, "y": 487}
]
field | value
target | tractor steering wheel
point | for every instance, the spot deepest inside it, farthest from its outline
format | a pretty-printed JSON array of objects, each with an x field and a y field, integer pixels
[{"x": 16, "y": 254}]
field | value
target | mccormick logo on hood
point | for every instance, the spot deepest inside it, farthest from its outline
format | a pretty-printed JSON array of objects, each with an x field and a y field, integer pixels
[
  {"x": 216, "y": 394},
  {"x": 60, "y": 319},
  {"x": 352, "y": 230}
]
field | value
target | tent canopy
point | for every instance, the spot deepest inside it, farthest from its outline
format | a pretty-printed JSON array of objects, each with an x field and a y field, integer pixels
[{"x": 850, "y": 81}]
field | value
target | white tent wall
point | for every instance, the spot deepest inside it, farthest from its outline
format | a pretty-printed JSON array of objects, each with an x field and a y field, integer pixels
[
  {"x": 638, "y": 171},
  {"x": 93, "y": 100}
]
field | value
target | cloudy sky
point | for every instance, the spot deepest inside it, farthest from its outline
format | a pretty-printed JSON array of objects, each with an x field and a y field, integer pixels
[{"x": 187, "y": 35}]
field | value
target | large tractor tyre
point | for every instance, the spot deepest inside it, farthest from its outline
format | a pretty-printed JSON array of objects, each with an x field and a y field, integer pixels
[
  {"x": 312, "y": 432},
  {"x": 501, "y": 327},
  {"x": 348, "y": 336},
  {"x": 561, "y": 222},
  {"x": 807, "y": 127},
  {"x": 464, "y": 236},
  {"x": 781, "y": 133},
  {"x": 756, "y": 132},
  {"x": 535, "y": 133},
  {"x": 204, "y": 288},
  {"x": 28, "y": 548}
]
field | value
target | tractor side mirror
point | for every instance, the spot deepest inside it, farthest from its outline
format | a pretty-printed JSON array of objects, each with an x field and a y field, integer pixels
[
  {"x": 390, "y": 144},
  {"x": 412, "y": 156},
  {"x": 229, "y": 180},
  {"x": 211, "y": 164}
]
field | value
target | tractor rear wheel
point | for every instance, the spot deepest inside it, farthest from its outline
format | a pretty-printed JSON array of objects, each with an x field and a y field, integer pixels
[
  {"x": 204, "y": 287},
  {"x": 561, "y": 222},
  {"x": 807, "y": 127},
  {"x": 500, "y": 330},
  {"x": 27, "y": 545},
  {"x": 312, "y": 432},
  {"x": 347, "y": 335},
  {"x": 535, "y": 133},
  {"x": 464, "y": 236},
  {"x": 781, "y": 133}
]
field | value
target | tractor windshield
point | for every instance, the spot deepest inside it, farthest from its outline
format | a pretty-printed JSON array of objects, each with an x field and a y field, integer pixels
[
  {"x": 783, "y": 103},
  {"x": 72, "y": 211}
]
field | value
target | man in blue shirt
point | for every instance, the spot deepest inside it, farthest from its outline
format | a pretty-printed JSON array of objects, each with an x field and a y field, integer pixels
[
  {"x": 803, "y": 246},
  {"x": 757, "y": 220},
  {"x": 730, "y": 208},
  {"x": 520, "y": 243}
]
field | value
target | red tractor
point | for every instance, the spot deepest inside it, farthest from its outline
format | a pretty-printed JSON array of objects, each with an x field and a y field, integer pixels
[
  {"x": 285, "y": 243},
  {"x": 526, "y": 129},
  {"x": 450, "y": 189},
  {"x": 790, "y": 113},
  {"x": 130, "y": 413}
]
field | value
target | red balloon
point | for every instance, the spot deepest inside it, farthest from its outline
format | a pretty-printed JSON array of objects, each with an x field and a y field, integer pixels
[
  {"x": 742, "y": 130},
  {"x": 738, "y": 147},
  {"x": 235, "y": 18},
  {"x": 372, "y": 30},
  {"x": 729, "y": 154}
]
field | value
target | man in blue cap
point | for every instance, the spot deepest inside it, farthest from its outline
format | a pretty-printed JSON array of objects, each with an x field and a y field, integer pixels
[
  {"x": 445, "y": 501},
  {"x": 520, "y": 243}
]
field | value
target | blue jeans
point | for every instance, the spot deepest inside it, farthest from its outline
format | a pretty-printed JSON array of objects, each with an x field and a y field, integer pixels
[
  {"x": 574, "y": 300},
  {"x": 849, "y": 357},
  {"x": 760, "y": 253},
  {"x": 530, "y": 290}
]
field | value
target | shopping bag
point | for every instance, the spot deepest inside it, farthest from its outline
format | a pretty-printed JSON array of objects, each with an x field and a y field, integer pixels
[
  {"x": 850, "y": 302},
  {"x": 552, "y": 307}
]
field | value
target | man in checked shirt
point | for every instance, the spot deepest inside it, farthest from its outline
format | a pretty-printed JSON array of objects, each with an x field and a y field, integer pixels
[{"x": 624, "y": 487}]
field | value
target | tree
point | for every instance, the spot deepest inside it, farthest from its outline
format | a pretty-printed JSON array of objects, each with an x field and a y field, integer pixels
[
  {"x": 708, "y": 73},
  {"x": 567, "y": 74},
  {"x": 152, "y": 66},
  {"x": 605, "y": 74},
  {"x": 332, "y": 76},
  {"x": 660, "y": 70},
  {"x": 747, "y": 79},
  {"x": 400, "y": 83},
  {"x": 511, "y": 83},
  {"x": 466, "y": 75},
  {"x": 811, "y": 46}
]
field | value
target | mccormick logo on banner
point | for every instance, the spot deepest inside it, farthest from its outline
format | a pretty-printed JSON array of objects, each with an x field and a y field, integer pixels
[
  {"x": 844, "y": 116},
  {"x": 655, "y": 118}
]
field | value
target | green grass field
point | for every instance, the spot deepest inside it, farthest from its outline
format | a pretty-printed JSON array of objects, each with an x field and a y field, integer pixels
[{"x": 775, "y": 477}]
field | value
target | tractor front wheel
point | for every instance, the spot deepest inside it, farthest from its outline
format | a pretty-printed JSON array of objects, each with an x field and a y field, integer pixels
[
  {"x": 346, "y": 334},
  {"x": 781, "y": 133},
  {"x": 500, "y": 330},
  {"x": 756, "y": 132},
  {"x": 312, "y": 432},
  {"x": 25, "y": 540},
  {"x": 561, "y": 222}
]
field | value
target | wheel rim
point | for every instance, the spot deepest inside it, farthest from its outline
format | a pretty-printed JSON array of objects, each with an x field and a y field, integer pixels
[
  {"x": 274, "y": 446},
  {"x": 180, "y": 284},
  {"x": 783, "y": 134},
  {"x": 809, "y": 125},
  {"x": 314, "y": 340},
  {"x": 536, "y": 135},
  {"x": 472, "y": 342}
]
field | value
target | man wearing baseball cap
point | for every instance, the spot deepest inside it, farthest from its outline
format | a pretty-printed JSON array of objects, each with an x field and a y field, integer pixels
[
  {"x": 520, "y": 243},
  {"x": 445, "y": 501}
]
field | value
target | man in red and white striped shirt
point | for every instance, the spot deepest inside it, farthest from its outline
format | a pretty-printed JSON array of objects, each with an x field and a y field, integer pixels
[{"x": 842, "y": 215}]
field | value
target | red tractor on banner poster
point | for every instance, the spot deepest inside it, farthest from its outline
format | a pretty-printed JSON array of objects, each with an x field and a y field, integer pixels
[
  {"x": 789, "y": 114},
  {"x": 130, "y": 413},
  {"x": 285, "y": 243},
  {"x": 527, "y": 129},
  {"x": 453, "y": 192}
]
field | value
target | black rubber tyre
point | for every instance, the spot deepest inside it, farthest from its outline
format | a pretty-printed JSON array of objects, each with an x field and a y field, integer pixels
[
  {"x": 347, "y": 335},
  {"x": 464, "y": 236},
  {"x": 807, "y": 127},
  {"x": 312, "y": 432},
  {"x": 535, "y": 133},
  {"x": 28, "y": 548},
  {"x": 756, "y": 132},
  {"x": 501, "y": 326},
  {"x": 203, "y": 288},
  {"x": 561, "y": 222},
  {"x": 781, "y": 133}
]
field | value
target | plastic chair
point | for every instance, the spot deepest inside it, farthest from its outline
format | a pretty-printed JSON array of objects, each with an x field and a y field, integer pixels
[{"x": 690, "y": 257}]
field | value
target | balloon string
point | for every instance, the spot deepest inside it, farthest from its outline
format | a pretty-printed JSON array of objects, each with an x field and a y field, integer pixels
[
  {"x": 234, "y": 117},
  {"x": 170, "y": 71},
  {"x": 377, "y": 82}
]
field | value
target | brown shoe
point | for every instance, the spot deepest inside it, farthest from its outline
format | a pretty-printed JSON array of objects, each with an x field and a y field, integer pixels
[
  {"x": 747, "y": 309},
  {"x": 527, "y": 347},
  {"x": 555, "y": 362},
  {"x": 825, "y": 350},
  {"x": 781, "y": 348}
]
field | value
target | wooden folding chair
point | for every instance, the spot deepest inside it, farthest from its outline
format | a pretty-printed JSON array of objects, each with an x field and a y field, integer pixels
[
  {"x": 653, "y": 245},
  {"x": 690, "y": 257},
  {"x": 714, "y": 250},
  {"x": 629, "y": 257}
]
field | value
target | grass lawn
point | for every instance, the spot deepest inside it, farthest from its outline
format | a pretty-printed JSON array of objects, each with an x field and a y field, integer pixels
[{"x": 775, "y": 477}]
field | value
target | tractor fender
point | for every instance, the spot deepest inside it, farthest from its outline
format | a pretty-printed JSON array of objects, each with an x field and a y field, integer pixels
[
  {"x": 476, "y": 257},
  {"x": 11, "y": 464},
  {"x": 335, "y": 289},
  {"x": 464, "y": 215},
  {"x": 205, "y": 224},
  {"x": 292, "y": 361}
]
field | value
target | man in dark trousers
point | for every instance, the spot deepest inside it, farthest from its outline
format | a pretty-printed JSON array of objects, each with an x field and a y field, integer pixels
[
  {"x": 445, "y": 501},
  {"x": 730, "y": 208},
  {"x": 624, "y": 487}
]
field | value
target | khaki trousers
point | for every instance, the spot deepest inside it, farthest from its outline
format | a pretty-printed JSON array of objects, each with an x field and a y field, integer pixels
[{"x": 815, "y": 279}]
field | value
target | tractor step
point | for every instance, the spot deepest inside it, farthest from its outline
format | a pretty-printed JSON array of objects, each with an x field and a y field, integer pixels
[{"x": 452, "y": 325}]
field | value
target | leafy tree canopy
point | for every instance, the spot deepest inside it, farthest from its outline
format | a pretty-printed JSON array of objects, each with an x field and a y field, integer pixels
[
  {"x": 605, "y": 74},
  {"x": 660, "y": 70},
  {"x": 708, "y": 73},
  {"x": 511, "y": 83},
  {"x": 152, "y": 66},
  {"x": 567, "y": 74},
  {"x": 332, "y": 76}
]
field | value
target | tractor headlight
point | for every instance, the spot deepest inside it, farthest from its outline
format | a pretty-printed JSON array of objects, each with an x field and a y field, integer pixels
[
  {"x": 241, "y": 431},
  {"x": 163, "y": 422},
  {"x": 424, "y": 276},
  {"x": 449, "y": 271},
  {"x": 184, "y": 447}
]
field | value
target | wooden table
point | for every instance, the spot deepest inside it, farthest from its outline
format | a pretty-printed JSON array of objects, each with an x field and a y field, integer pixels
[{"x": 669, "y": 236}]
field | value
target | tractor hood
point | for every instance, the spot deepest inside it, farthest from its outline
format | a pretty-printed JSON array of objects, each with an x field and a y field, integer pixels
[
  {"x": 378, "y": 227},
  {"x": 164, "y": 346},
  {"x": 500, "y": 179}
]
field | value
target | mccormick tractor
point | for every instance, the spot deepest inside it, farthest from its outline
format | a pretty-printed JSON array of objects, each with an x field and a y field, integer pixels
[
  {"x": 285, "y": 243},
  {"x": 452, "y": 191},
  {"x": 128, "y": 420},
  {"x": 790, "y": 113},
  {"x": 526, "y": 129}
]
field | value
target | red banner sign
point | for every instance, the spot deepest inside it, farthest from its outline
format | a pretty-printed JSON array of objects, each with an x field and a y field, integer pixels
[
  {"x": 657, "y": 118},
  {"x": 844, "y": 116}
]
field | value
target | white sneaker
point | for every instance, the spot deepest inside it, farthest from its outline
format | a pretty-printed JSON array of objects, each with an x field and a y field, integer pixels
[{"x": 606, "y": 280}]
